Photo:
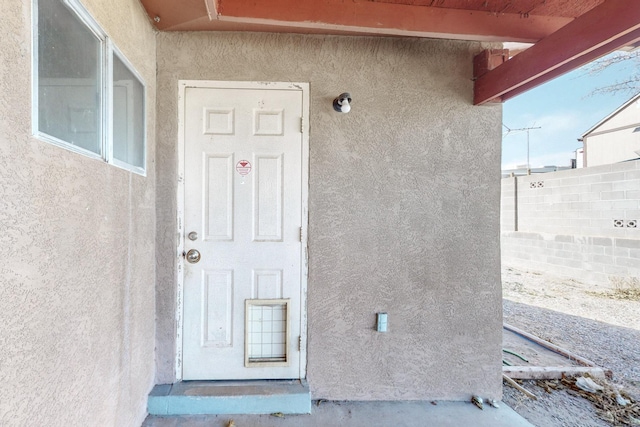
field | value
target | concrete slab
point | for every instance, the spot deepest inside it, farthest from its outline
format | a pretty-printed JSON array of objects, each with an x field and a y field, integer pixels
[
  {"x": 363, "y": 414},
  {"x": 230, "y": 397}
]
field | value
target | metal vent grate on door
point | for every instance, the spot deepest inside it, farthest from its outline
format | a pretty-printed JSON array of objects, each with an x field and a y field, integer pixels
[{"x": 266, "y": 332}]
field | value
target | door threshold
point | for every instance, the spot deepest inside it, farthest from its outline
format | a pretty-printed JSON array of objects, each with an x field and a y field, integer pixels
[{"x": 230, "y": 397}]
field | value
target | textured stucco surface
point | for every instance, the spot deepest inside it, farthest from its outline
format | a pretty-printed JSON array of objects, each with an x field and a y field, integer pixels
[
  {"x": 404, "y": 208},
  {"x": 77, "y": 249}
]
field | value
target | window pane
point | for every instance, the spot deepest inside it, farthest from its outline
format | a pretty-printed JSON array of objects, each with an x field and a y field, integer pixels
[
  {"x": 68, "y": 77},
  {"x": 128, "y": 115}
]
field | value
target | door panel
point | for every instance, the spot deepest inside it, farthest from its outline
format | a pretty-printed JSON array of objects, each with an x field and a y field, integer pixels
[
  {"x": 218, "y": 198},
  {"x": 243, "y": 197}
]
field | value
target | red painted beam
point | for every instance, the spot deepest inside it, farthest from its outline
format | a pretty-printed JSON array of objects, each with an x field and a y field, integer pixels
[
  {"x": 166, "y": 14},
  {"x": 607, "y": 27},
  {"x": 628, "y": 39},
  {"x": 364, "y": 16},
  {"x": 487, "y": 60}
]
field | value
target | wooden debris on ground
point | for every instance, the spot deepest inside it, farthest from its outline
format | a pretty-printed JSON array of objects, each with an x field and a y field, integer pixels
[
  {"x": 548, "y": 372},
  {"x": 518, "y": 387},
  {"x": 612, "y": 405},
  {"x": 551, "y": 372},
  {"x": 546, "y": 344}
]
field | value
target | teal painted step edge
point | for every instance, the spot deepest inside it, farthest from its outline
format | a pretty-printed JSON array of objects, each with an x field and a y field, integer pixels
[{"x": 204, "y": 405}]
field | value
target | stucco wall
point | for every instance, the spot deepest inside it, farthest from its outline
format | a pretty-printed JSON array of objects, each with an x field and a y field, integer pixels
[
  {"x": 77, "y": 251},
  {"x": 404, "y": 207}
]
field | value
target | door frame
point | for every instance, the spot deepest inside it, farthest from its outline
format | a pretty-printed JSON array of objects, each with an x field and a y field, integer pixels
[{"x": 304, "y": 254}]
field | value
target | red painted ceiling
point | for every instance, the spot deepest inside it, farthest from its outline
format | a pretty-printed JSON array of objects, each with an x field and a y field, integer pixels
[
  {"x": 557, "y": 8},
  {"x": 486, "y": 20},
  {"x": 566, "y": 33}
]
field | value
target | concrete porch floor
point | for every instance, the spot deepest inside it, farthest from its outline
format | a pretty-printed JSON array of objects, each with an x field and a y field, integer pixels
[{"x": 362, "y": 414}]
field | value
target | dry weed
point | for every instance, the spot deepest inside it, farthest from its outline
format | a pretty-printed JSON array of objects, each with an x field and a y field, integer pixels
[
  {"x": 624, "y": 288},
  {"x": 603, "y": 401}
]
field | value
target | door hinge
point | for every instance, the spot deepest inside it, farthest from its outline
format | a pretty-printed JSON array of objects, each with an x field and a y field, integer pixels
[
  {"x": 299, "y": 342},
  {"x": 301, "y": 124}
]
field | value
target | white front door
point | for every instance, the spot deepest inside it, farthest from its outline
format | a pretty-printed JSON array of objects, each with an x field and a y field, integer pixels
[{"x": 245, "y": 178}]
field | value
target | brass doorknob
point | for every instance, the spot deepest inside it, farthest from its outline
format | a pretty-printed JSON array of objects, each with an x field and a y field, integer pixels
[{"x": 193, "y": 256}]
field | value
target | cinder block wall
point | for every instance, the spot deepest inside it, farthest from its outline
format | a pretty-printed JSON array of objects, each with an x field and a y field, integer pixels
[
  {"x": 508, "y": 216},
  {"x": 581, "y": 223}
]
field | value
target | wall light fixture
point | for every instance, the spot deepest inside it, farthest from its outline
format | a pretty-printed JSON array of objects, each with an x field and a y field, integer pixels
[{"x": 342, "y": 104}]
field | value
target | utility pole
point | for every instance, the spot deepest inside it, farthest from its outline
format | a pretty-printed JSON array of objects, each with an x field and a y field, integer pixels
[{"x": 509, "y": 130}]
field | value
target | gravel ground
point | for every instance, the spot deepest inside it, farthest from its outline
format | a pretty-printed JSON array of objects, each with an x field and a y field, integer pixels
[{"x": 584, "y": 319}]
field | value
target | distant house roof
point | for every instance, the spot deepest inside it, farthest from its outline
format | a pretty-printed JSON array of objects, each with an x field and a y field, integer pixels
[{"x": 615, "y": 112}]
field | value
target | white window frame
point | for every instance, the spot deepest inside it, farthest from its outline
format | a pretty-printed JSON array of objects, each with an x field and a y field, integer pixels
[
  {"x": 107, "y": 51},
  {"x": 114, "y": 51}
]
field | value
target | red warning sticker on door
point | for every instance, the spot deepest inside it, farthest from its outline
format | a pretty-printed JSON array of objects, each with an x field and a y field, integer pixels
[{"x": 243, "y": 167}]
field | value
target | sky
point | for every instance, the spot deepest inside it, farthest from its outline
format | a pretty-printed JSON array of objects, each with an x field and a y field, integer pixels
[{"x": 564, "y": 108}]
